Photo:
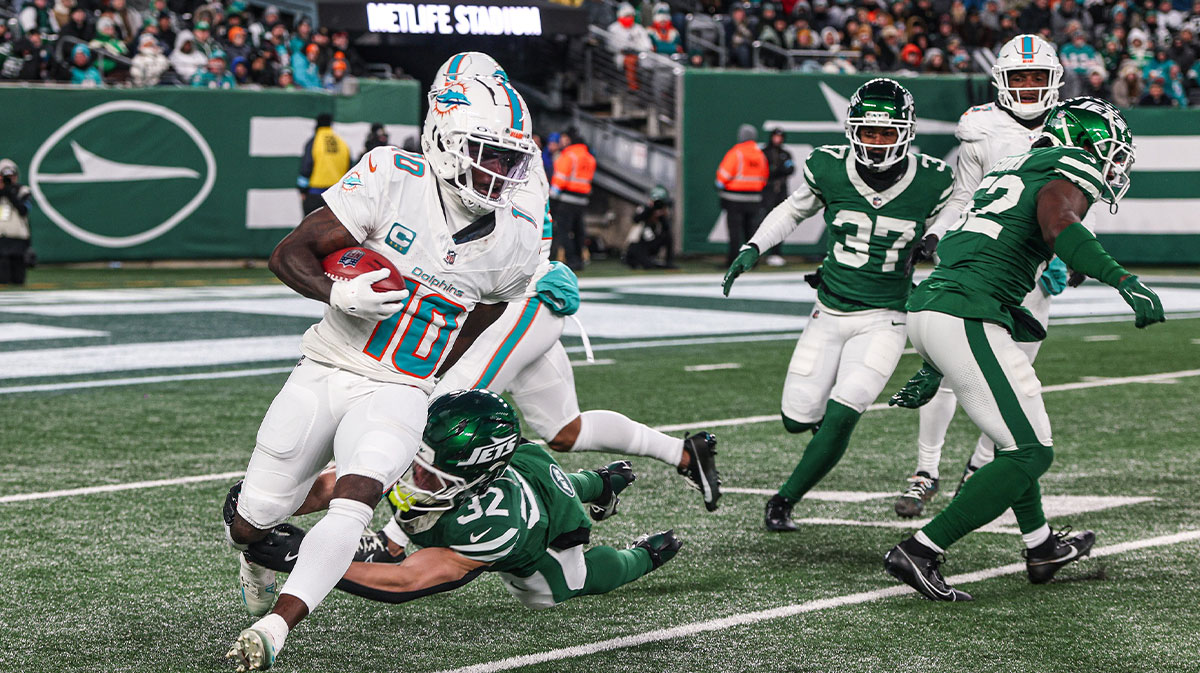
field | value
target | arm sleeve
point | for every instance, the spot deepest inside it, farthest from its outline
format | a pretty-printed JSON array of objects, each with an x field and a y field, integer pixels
[
  {"x": 940, "y": 206},
  {"x": 1076, "y": 246},
  {"x": 383, "y": 596},
  {"x": 784, "y": 218},
  {"x": 967, "y": 177},
  {"x": 361, "y": 198}
]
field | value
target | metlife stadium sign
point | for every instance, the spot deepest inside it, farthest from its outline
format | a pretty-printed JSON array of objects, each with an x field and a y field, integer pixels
[
  {"x": 400, "y": 17},
  {"x": 454, "y": 18}
]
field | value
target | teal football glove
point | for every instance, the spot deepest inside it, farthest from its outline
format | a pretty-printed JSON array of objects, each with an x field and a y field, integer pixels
[
  {"x": 559, "y": 289},
  {"x": 1054, "y": 278},
  {"x": 919, "y": 390},
  {"x": 1147, "y": 307},
  {"x": 746, "y": 259}
]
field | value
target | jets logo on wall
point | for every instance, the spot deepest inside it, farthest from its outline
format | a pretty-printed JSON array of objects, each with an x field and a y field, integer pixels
[{"x": 99, "y": 158}]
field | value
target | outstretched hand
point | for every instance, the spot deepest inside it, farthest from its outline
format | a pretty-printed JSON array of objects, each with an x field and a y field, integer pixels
[{"x": 746, "y": 259}]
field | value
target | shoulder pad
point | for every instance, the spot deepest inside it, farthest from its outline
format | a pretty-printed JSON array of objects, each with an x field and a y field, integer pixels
[{"x": 972, "y": 125}]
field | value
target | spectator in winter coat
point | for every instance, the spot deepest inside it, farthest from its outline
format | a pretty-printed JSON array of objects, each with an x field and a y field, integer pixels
[
  {"x": 1066, "y": 12},
  {"x": 1158, "y": 67},
  {"x": 1079, "y": 56},
  {"x": 304, "y": 67},
  {"x": 216, "y": 75},
  {"x": 149, "y": 64},
  {"x": 106, "y": 40},
  {"x": 128, "y": 21},
  {"x": 80, "y": 27},
  {"x": 83, "y": 72},
  {"x": 186, "y": 59},
  {"x": 663, "y": 35},
  {"x": 341, "y": 42},
  {"x": 1034, "y": 17},
  {"x": 237, "y": 46},
  {"x": 37, "y": 16},
  {"x": 1127, "y": 90},
  {"x": 1157, "y": 96},
  {"x": 627, "y": 39},
  {"x": 1174, "y": 85}
]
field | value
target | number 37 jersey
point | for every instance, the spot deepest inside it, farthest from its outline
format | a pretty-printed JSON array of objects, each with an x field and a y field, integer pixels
[{"x": 390, "y": 202}]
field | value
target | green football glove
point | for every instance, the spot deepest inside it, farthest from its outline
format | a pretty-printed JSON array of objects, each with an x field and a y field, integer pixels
[
  {"x": 746, "y": 259},
  {"x": 919, "y": 390},
  {"x": 1147, "y": 307}
]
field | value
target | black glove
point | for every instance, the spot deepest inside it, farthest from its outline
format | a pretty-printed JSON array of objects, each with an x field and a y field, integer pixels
[
  {"x": 813, "y": 279},
  {"x": 1076, "y": 279},
  {"x": 921, "y": 252},
  {"x": 279, "y": 549},
  {"x": 30, "y": 258}
]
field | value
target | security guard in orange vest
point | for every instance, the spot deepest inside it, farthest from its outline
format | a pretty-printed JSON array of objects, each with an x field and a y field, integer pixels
[
  {"x": 741, "y": 178},
  {"x": 326, "y": 159},
  {"x": 570, "y": 188}
]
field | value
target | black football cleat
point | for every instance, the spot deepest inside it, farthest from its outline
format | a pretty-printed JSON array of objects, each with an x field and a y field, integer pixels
[
  {"x": 616, "y": 477},
  {"x": 373, "y": 548},
  {"x": 1058, "y": 550},
  {"x": 921, "y": 489},
  {"x": 779, "y": 515},
  {"x": 662, "y": 546},
  {"x": 229, "y": 509},
  {"x": 701, "y": 471},
  {"x": 921, "y": 573}
]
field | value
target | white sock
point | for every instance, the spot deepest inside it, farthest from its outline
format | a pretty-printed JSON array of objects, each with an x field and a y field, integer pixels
[
  {"x": 985, "y": 451},
  {"x": 327, "y": 551},
  {"x": 924, "y": 539},
  {"x": 935, "y": 420},
  {"x": 611, "y": 432},
  {"x": 275, "y": 628},
  {"x": 1036, "y": 537},
  {"x": 395, "y": 533}
]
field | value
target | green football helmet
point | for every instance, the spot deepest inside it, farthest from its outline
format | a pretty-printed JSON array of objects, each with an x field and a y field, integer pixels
[
  {"x": 469, "y": 439},
  {"x": 1098, "y": 127},
  {"x": 881, "y": 102}
]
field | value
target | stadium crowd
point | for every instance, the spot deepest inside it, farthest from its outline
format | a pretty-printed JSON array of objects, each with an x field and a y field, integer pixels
[
  {"x": 1132, "y": 53},
  {"x": 220, "y": 45}
]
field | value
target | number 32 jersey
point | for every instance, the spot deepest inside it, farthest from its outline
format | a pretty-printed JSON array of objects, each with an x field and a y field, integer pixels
[
  {"x": 391, "y": 203},
  {"x": 869, "y": 233},
  {"x": 989, "y": 259}
]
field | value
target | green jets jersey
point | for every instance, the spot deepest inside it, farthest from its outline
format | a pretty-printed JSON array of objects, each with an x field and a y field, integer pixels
[
  {"x": 528, "y": 509},
  {"x": 870, "y": 233},
  {"x": 989, "y": 259}
]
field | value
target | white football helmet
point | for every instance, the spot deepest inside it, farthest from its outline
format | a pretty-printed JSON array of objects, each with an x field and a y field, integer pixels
[
  {"x": 478, "y": 138},
  {"x": 1027, "y": 52},
  {"x": 463, "y": 65}
]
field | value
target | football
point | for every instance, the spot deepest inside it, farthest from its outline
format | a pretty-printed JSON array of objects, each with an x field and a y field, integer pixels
[{"x": 349, "y": 263}]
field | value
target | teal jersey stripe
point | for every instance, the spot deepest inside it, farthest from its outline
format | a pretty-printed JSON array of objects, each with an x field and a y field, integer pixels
[
  {"x": 523, "y": 216},
  {"x": 510, "y": 342},
  {"x": 547, "y": 224}
]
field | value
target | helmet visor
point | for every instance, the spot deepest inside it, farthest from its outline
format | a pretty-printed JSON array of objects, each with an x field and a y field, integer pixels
[
  {"x": 497, "y": 166},
  {"x": 425, "y": 488}
]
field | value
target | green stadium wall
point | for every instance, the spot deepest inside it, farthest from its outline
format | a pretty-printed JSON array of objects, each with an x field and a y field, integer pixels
[
  {"x": 139, "y": 174},
  {"x": 1158, "y": 221}
]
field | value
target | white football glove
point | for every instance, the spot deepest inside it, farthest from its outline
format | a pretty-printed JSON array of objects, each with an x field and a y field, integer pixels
[{"x": 356, "y": 297}]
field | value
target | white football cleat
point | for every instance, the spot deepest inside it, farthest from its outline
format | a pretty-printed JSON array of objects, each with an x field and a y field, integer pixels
[
  {"x": 254, "y": 650},
  {"x": 257, "y": 585}
]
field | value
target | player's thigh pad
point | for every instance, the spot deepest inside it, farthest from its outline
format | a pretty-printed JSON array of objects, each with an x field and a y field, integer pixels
[
  {"x": 379, "y": 435},
  {"x": 814, "y": 366},
  {"x": 869, "y": 357},
  {"x": 993, "y": 378},
  {"x": 518, "y": 338},
  {"x": 545, "y": 392},
  {"x": 559, "y": 575},
  {"x": 295, "y": 441}
]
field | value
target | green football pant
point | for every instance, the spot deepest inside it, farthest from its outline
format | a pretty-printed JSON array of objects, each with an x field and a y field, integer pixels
[
  {"x": 559, "y": 575},
  {"x": 997, "y": 387},
  {"x": 823, "y": 452}
]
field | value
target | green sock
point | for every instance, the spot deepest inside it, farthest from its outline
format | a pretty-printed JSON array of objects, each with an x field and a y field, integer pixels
[
  {"x": 823, "y": 452},
  {"x": 609, "y": 568},
  {"x": 588, "y": 485},
  {"x": 1008, "y": 481}
]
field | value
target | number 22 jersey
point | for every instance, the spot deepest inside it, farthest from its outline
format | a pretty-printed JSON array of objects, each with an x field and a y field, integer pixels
[{"x": 392, "y": 204}]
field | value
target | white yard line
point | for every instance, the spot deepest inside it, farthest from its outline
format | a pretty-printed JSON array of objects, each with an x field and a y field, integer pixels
[
  {"x": 786, "y": 611},
  {"x": 713, "y": 367},
  {"x": 141, "y": 380},
  {"x": 709, "y": 424}
]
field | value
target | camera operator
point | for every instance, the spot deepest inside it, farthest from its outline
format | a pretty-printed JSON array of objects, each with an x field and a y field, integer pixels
[
  {"x": 16, "y": 253},
  {"x": 651, "y": 232}
]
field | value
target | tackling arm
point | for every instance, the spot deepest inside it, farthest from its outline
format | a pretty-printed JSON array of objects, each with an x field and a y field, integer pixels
[
  {"x": 297, "y": 259},
  {"x": 428, "y": 571}
]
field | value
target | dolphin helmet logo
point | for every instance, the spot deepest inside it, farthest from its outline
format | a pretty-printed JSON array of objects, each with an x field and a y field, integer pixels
[{"x": 454, "y": 96}]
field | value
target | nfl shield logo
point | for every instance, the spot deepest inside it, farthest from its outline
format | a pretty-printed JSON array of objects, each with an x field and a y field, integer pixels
[
  {"x": 876, "y": 202},
  {"x": 450, "y": 255}
]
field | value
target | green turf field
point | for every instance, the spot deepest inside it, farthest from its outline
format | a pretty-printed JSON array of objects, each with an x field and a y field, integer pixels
[{"x": 139, "y": 579}]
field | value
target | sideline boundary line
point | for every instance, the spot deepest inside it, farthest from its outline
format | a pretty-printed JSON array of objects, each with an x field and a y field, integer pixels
[
  {"x": 746, "y": 420},
  {"x": 783, "y": 612}
]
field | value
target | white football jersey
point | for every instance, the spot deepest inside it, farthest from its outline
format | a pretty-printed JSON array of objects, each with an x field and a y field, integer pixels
[
  {"x": 987, "y": 134},
  {"x": 391, "y": 203}
]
